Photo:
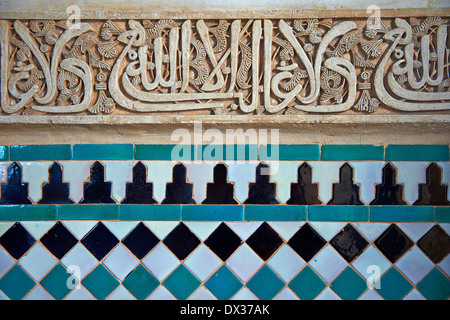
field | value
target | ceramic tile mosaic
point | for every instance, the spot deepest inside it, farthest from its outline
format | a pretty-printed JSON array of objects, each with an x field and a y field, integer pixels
[{"x": 122, "y": 222}]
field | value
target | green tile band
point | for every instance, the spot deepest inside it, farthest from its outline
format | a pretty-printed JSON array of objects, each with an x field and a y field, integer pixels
[
  {"x": 41, "y": 152},
  {"x": 197, "y": 212},
  {"x": 150, "y": 212},
  {"x": 443, "y": 214},
  {"x": 274, "y": 213},
  {"x": 352, "y": 152},
  {"x": 4, "y": 153},
  {"x": 164, "y": 152},
  {"x": 417, "y": 153},
  {"x": 103, "y": 152},
  {"x": 401, "y": 214},
  {"x": 338, "y": 213},
  {"x": 290, "y": 152},
  {"x": 227, "y": 152},
  {"x": 88, "y": 212},
  {"x": 28, "y": 212}
]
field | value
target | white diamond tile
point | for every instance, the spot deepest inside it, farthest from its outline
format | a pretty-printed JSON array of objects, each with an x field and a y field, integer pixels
[
  {"x": 286, "y": 263},
  {"x": 76, "y": 173},
  {"x": 120, "y": 228},
  {"x": 37, "y": 228},
  {"x": 202, "y": 294},
  {"x": 4, "y": 226},
  {"x": 244, "y": 229},
  {"x": 199, "y": 173},
  {"x": 325, "y": 173},
  {"x": 3, "y": 297},
  {"x": 244, "y": 294},
  {"x": 370, "y": 294},
  {"x": 120, "y": 261},
  {"x": 35, "y": 173},
  {"x": 328, "y": 229},
  {"x": 370, "y": 262},
  {"x": 244, "y": 262},
  {"x": 415, "y": 230},
  {"x": 327, "y": 294},
  {"x": 161, "y": 293},
  {"x": 161, "y": 261},
  {"x": 446, "y": 227},
  {"x": 415, "y": 265},
  {"x": 37, "y": 262},
  {"x": 241, "y": 174},
  {"x": 38, "y": 293},
  {"x": 79, "y": 294},
  {"x": 283, "y": 175},
  {"x": 159, "y": 173},
  {"x": 328, "y": 263},
  {"x": 371, "y": 230},
  {"x": 120, "y": 293},
  {"x": 445, "y": 265},
  {"x": 202, "y": 229},
  {"x": 286, "y": 229},
  {"x": 119, "y": 173},
  {"x": 411, "y": 173},
  {"x": 161, "y": 228},
  {"x": 285, "y": 294},
  {"x": 6, "y": 262},
  {"x": 80, "y": 259},
  {"x": 414, "y": 295},
  {"x": 367, "y": 174},
  {"x": 202, "y": 262},
  {"x": 79, "y": 228}
]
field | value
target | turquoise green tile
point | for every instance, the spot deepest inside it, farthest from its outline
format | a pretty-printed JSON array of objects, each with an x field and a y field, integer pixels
[
  {"x": 289, "y": 152},
  {"x": 401, "y": 214},
  {"x": 55, "y": 282},
  {"x": 435, "y": 286},
  {"x": 150, "y": 212},
  {"x": 224, "y": 284},
  {"x": 140, "y": 282},
  {"x": 352, "y": 152},
  {"x": 100, "y": 282},
  {"x": 228, "y": 152},
  {"x": 274, "y": 213},
  {"x": 217, "y": 152},
  {"x": 41, "y": 152},
  {"x": 88, "y": 212},
  {"x": 16, "y": 283},
  {"x": 103, "y": 152},
  {"x": 164, "y": 152},
  {"x": 265, "y": 284},
  {"x": 349, "y": 285},
  {"x": 28, "y": 212},
  {"x": 181, "y": 283},
  {"x": 4, "y": 153},
  {"x": 417, "y": 152},
  {"x": 307, "y": 284},
  {"x": 338, "y": 213},
  {"x": 442, "y": 214},
  {"x": 393, "y": 285},
  {"x": 212, "y": 212}
]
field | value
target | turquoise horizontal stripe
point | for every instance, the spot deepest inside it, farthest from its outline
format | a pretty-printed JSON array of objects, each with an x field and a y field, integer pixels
[
  {"x": 88, "y": 212},
  {"x": 41, "y": 152},
  {"x": 289, "y": 152},
  {"x": 417, "y": 153},
  {"x": 338, "y": 213},
  {"x": 352, "y": 152},
  {"x": 274, "y": 213},
  {"x": 212, "y": 212},
  {"x": 103, "y": 152},
  {"x": 28, "y": 212},
  {"x": 443, "y": 214},
  {"x": 401, "y": 214},
  {"x": 4, "y": 153},
  {"x": 228, "y": 152},
  {"x": 164, "y": 152},
  {"x": 150, "y": 212}
]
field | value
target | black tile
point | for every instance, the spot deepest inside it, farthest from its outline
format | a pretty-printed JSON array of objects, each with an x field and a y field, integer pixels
[
  {"x": 435, "y": 243},
  {"x": 139, "y": 191},
  {"x": 264, "y": 241},
  {"x": 140, "y": 241},
  {"x": 97, "y": 190},
  {"x": 262, "y": 191},
  {"x": 58, "y": 240},
  {"x": 16, "y": 240},
  {"x": 306, "y": 242},
  {"x": 349, "y": 243},
  {"x": 388, "y": 192},
  {"x": 181, "y": 241},
  {"x": 223, "y": 241},
  {"x": 14, "y": 191},
  {"x": 99, "y": 241},
  {"x": 393, "y": 243},
  {"x": 55, "y": 191},
  {"x": 179, "y": 191},
  {"x": 304, "y": 192},
  {"x": 433, "y": 192},
  {"x": 345, "y": 192},
  {"x": 220, "y": 191}
]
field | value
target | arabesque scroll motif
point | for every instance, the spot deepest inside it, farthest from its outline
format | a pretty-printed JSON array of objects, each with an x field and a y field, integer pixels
[{"x": 261, "y": 66}]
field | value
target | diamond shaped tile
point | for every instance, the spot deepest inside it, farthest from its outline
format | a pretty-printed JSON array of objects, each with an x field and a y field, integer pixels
[
  {"x": 244, "y": 262},
  {"x": 120, "y": 262},
  {"x": 202, "y": 294},
  {"x": 328, "y": 263},
  {"x": 55, "y": 282},
  {"x": 286, "y": 263},
  {"x": 181, "y": 283},
  {"x": 349, "y": 285},
  {"x": 414, "y": 265},
  {"x": 16, "y": 283},
  {"x": 140, "y": 241},
  {"x": 37, "y": 262},
  {"x": 265, "y": 284},
  {"x": 181, "y": 241},
  {"x": 17, "y": 240},
  {"x": 264, "y": 241},
  {"x": 161, "y": 261},
  {"x": 393, "y": 285},
  {"x": 100, "y": 282},
  {"x": 306, "y": 242},
  {"x": 223, "y": 241},
  {"x": 161, "y": 293},
  {"x": 435, "y": 243},
  {"x": 435, "y": 286},
  {"x": 349, "y": 243},
  {"x": 307, "y": 284},
  {"x": 58, "y": 240},
  {"x": 224, "y": 284},
  {"x": 202, "y": 262},
  {"x": 393, "y": 243},
  {"x": 371, "y": 264},
  {"x": 99, "y": 241},
  {"x": 120, "y": 293},
  {"x": 140, "y": 282},
  {"x": 80, "y": 261},
  {"x": 38, "y": 293},
  {"x": 6, "y": 262}
]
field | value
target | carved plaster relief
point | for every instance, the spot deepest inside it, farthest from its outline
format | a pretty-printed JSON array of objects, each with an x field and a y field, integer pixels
[{"x": 262, "y": 66}]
